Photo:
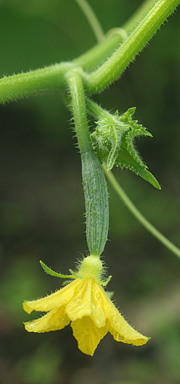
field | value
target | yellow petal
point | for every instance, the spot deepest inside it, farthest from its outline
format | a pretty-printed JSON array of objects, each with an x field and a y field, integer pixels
[
  {"x": 121, "y": 330},
  {"x": 57, "y": 299},
  {"x": 52, "y": 321},
  {"x": 80, "y": 304},
  {"x": 97, "y": 304},
  {"x": 87, "y": 334},
  {"x": 87, "y": 301}
]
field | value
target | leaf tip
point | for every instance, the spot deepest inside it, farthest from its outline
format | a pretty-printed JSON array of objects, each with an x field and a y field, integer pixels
[{"x": 148, "y": 176}]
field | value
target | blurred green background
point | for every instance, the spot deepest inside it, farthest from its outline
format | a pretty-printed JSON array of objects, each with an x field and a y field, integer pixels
[{"x": 42, "y": 207}]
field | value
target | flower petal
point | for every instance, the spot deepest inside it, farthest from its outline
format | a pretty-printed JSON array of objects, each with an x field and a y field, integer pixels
[
  {"x": 57, "y": 299},
  {"x": 97, "y": 305},
  {"x": 80, "y": 304},
  {"x": 52, "y": 321},
  {"x": 87, "y": 334},
  {"x": 87, "y": 301},
  {"x": 121, "y": 330}
]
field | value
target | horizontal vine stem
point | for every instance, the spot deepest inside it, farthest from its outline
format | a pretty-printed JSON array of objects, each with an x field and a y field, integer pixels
[
  {"x": 127, "y": 52},
  {"x": 51, "y": 78},
  {"x": 138, "y": 215},
  {"x": 44, "y": 80}
]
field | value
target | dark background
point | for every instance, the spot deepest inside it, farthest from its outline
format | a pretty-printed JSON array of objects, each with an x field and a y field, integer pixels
[{"x": 42, "y": 206}]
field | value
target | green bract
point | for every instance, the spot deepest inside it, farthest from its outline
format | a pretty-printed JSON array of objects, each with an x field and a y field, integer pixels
[{"x": 113, "y": 141}]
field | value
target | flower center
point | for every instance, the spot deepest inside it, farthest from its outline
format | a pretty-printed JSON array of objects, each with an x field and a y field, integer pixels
[{"x": 91, "y": 266}]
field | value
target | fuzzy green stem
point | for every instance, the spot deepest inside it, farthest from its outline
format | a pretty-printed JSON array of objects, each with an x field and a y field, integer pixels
[
  {"x": 95, "y": 110},
  {"x": 127, "y": 52},
  {"x": 79, "y": 109},
  {"x": 92, "y": 19},
  {"x": 45, "y": 80},
  {"x": 138, "y": 215},
  {"x": 100, "y": 52},
  {"x": 50, "y": 79},
  {"x": 94, "y": 183},
  {"x": 138, "y": 15},
  {"x": 96, "y": 55}
]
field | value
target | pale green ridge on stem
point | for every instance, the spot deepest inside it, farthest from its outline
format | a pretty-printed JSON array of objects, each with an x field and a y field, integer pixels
[
  {"x": 138, "y": 15},
  {"x": 44, "y": 80},
  {"x": 94, "y": 183},
  {"x": 92, "y": 19},
  {"x": 127, "y": 52},
  {"x": 138, "y": 215}
]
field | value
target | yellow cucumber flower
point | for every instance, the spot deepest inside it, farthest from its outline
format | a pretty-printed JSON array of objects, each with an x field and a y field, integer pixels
[{"x": 84, "y": 305}]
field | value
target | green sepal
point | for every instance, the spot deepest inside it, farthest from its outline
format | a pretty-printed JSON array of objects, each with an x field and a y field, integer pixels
[
  {"x": 50, "y": 272},
  {"x": 110, "y": 294},
  {"x": 113, "y": 142},
  {"x": 73, "y": 275},
  {"x": 104, "y": 283}
]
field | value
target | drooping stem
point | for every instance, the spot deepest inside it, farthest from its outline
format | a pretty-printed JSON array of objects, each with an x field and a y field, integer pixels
[
  {"x": 127, "y": 52},
  {"x": 79, "y": 109},
  {"x": 94, "y": 183},
  {"x": 92, "y": 19},
  {"x": 138, "y": 215}
]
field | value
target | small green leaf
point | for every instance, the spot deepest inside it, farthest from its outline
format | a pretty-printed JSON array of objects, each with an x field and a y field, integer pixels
[
  {"x": 50, "y": 272},
  {"x": 113, "y": 141}
]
